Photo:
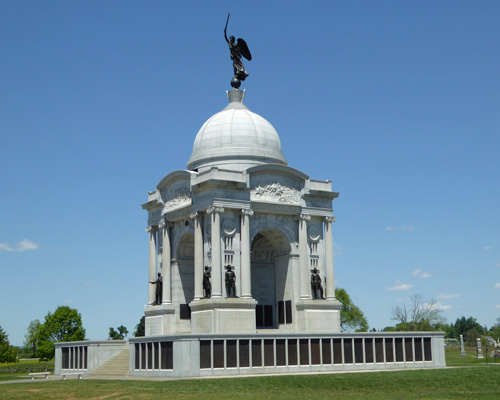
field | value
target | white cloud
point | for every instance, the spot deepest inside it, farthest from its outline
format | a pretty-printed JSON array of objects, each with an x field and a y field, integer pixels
[
  {"x": 487, "y": 247},
  {"x": 400, "y": 228},
  {"x": 497, "y": 306},
  {"x": 497, "y": 286},
  {"x": 399, "y": 287},
  {"x": 441, "y": 307},
  {"x": 69, "y": 301},
  {"x": 19, "y": 246},
  {"x": 444, "y": 296},
  {"x": 419, "y": 274},
  {"x": 337, "y": 250}
]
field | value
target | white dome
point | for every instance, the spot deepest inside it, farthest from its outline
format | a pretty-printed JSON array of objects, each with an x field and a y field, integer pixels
[{"x": 236, "y": 138}]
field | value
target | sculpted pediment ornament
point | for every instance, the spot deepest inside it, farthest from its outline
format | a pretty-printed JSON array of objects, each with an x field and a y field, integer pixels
[
  {"x": 181, "y": 196},
  {"x": 277, "y": 193}
]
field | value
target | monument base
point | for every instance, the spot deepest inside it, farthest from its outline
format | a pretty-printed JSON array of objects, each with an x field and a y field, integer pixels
[
  {"x": 224, "y": 315},
  {"x": 318, "y": 316},
  {"x": 160, "y": 320}
]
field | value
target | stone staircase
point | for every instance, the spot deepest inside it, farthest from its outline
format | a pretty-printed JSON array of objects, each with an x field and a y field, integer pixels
[{"x": 115, "y": 367}]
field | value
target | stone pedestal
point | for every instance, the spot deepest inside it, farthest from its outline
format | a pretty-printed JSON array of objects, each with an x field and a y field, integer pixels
[
  {"x": 479, "y": 349},
  {"x": 160, "y": 320},
  {"x": 462, "y": 348},
  {"x": 318, "y": 316},
  {"x": 229, "y": 315}
]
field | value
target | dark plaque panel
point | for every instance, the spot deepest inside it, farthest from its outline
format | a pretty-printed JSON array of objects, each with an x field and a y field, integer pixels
[
  {"x": 315, "y": 352},
  {"x": 268, "y": 316},
  {"x": 156, "y": 351},
  {"x": 167, "y": 355},
  {"x": 292, "y": 352},
  {"x": 137, "y": 356},
  {"x": 348, "y": 351},
  {"x": 268, "y": 353},
  {"x": 369, "y": 350},
  {"x": 205, "y": 354},
  {"x": 304, "y": 351},
  {"x": 218, "y": 353},
  {"x": 337, "y": 351},
  {"x": 427, "y": 349},
  {"x": 244, "y": 353},
  {"x": 418, "y": 349},
  {"x": 150, "y": 355},
  {"x": 358, "y": 351},
  {"x": 288, "y": 308},
  {"x": 256, "y": 353},
  {"x": 281, "y": 312},
  {"x": 231, "y": 354},
  {"x": 80, "y": 357},
  {"x": 185, "y": 311},
  {"x": 408, "y": 349},
  {"x": 85, "y": 357},
  {"x": 399, "y": 349},
  {"x": 259, "y": 316},
  {"x": 327, "y": 351},
  {"x": 379, "y": 350},
  {"x": 280, "y": 352},
  {"x": 143, "y": 355},
  {"x": 65, "y": 357},
  {"x": 389, "y": 354}
]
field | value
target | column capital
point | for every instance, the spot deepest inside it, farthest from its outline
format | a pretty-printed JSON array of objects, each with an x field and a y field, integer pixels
[
  {"x": 330, "y": 219},
  {"x": 194, "y": 215},
  {"x": 248, "y": 212},
  {"x": 211, "y": 210},
  {"x": 303, "y": 217},
  {"x": 151, "y": 228},
  {"x": 165, "y": 224}
]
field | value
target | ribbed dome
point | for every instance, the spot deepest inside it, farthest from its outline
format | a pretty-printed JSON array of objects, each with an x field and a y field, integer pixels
[{"x": 236, "y": 138}]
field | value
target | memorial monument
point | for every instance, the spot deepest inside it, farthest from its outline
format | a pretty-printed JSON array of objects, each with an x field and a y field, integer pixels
[
  {"x": 241, "y": 276},
  {"x": 238, "y": 203}
]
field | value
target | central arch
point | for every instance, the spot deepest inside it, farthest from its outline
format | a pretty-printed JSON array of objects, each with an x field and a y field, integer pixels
[{"x": 271, "y": 278}]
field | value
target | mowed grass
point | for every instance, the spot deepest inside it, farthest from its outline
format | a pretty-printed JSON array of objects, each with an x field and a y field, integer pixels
[{"x": 477, "y": 380}]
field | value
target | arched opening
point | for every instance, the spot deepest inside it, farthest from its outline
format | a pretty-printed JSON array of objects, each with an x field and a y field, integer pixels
[
  {"x": 183, "y": 280},
  {"x": 271, "y": 280}
]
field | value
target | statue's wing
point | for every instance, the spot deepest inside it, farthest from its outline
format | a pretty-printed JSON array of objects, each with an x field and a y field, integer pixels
[{"x": 245, "y": 52}]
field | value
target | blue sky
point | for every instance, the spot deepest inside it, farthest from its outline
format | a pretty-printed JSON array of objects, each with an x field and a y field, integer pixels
[{"x": 397, "y": 102}]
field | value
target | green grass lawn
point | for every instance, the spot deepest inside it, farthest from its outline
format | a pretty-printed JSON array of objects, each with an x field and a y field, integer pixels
[{"x": 476, "y": 380}]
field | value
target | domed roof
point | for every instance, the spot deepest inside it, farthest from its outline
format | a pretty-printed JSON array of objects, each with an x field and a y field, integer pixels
[{"x": 236, "y": 138}]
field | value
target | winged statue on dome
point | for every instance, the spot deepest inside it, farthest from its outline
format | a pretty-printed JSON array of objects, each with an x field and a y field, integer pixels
[{"x": 237, "y": 49}]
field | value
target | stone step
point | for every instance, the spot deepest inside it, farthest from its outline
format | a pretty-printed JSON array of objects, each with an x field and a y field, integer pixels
[{"x": 116, "y": 366}]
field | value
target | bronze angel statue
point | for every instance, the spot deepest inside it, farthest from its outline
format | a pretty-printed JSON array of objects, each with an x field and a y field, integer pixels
[{"x": 237, "y": 50}]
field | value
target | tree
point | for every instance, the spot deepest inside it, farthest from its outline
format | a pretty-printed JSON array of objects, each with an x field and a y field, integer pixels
[
  {"x": 351, "y": 317},
  {"x": 420, "y": 316},
  {"x": 8, "y": 353},
  {"x": 120, "y": 335},
  {"x": 140, "y": 328},
  {"x": 31, "y": 337},
  {"x": 64, "y": 325},
  {"x": 463, "y": 325}
]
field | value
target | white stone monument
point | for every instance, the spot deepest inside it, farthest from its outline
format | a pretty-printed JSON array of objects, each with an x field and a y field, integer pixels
[
  {"x": 462, "y": 347},
  {"x": 240, "y": 204},
  {"x": 479, "y": 349}
]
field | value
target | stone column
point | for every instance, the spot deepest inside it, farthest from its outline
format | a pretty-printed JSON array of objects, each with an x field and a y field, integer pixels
[
  {"x": 152, "y": 263},
  {"x": 214, "y": 212},
  {"x": 329, "y": 273},
  {"x": 304, "y": 257},
  {"x": 246, "y": 276},
  {"x": 198, "y": 255},
  {"x": 166, "y": 256}
]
